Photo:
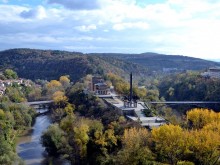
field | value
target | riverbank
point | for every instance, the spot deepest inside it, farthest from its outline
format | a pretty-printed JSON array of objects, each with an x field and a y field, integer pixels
[{"x": 29, "y": 147}]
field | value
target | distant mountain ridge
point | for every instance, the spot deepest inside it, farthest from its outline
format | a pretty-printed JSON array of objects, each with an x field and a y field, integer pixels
[
  {"x": 156, "y": 62},
  {"x": 50, "y": 64}
]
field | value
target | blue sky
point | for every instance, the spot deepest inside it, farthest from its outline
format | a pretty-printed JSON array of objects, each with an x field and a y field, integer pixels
[{"x": 183, "y": 27}]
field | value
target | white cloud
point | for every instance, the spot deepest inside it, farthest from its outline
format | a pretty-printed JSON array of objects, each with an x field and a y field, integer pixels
[
  {"x": 135, "y": 25},
  {"x": 175, "y": 26},
  {"x": 38, "y": 13},
  {"x": 10, "y": 13},
  {"x": 85, "y": 28}
]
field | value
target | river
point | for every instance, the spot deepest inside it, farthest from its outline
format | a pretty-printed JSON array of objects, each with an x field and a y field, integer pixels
[{"x": 29, "y": 147}]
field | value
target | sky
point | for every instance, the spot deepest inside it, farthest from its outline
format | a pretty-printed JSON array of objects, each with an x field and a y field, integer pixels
[{"x": 180, "y": 27}]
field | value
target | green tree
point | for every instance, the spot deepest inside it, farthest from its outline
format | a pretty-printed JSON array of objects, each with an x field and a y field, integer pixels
[
  {"x": 10, "y": 74},
  {"x": 55, "y": 142}
]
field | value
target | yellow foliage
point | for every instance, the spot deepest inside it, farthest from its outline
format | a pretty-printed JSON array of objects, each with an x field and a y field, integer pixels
[
  {"x": 81, "y": 138},
  {"x": 107, "y": 138},
  {"x": 171, "y": 141},
  {"x": 135, "y": 137},
  {"x": 100, "y": 138},
  {"x": 200, "y": 117},
  {"x": 59, "y": 96},
  {"x": 54, "y": 84},
  {"x": 69, "y": 109},
  {"x": 213, "y": 126},
  {"x": 135, "y": 148},
  {"x": 205, "y": 144},
  {"x": 64, "y": 80}
]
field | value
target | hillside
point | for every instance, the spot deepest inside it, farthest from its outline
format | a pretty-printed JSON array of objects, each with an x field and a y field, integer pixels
[
  {"x": 50, "y": 64},
  {"x": 156, "y": 62}
]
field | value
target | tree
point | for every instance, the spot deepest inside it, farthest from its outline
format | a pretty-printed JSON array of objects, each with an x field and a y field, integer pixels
[
  {"x": 65, "y": 81},
  {"x": 81, "y": 139},
  {"x": 198, "y": 117},
  {"x": 60, "y": 99},
  {"x": 10, "y": 74},
  {"x": 205, "y": 144},
  {"x": 55, "y": 142},
  {"x": 15, "y": 94},
  {"x": 53, "y": 86},
  {"x": 34, "y": 94},
  {"x": 135, "y": 148},
  {"x": 170, "y": 142}
]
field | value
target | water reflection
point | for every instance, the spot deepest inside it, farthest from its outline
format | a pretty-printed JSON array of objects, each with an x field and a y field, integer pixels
[{"x": 29, "y": 147}]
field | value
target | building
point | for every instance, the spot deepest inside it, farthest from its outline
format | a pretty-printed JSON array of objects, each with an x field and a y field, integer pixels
[
  {"x": 102, "y": 89},
  {"x": 212, "y": 72},
  {"x": 99, "y": 87}
]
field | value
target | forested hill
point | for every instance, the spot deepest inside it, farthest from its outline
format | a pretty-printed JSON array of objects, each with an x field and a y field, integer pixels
[
  {"x": 156, "y": 62},
  {"x": 51, "y": 64}
]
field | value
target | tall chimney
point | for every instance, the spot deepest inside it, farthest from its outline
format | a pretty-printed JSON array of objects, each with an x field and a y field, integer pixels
[{"x": 131, "y": 87}]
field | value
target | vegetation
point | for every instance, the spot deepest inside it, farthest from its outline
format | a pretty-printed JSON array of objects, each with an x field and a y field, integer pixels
[
  {"x": 48, "y": 65},
  {"x": 90, "y": 132},
  {"x": 190, "y": 86},
  {"x": 157, "y": 62},
  {"x": 14, "y": 118}
]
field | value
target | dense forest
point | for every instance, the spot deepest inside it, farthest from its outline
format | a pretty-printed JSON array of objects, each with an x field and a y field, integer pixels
[
  {"x": 157, "y": 62},
  {"x": 190, "y": 86},
  {"x": 49, "y": 64}
]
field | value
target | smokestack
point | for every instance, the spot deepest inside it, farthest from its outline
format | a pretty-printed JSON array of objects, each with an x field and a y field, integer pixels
[{"x": 131, "y": 86}]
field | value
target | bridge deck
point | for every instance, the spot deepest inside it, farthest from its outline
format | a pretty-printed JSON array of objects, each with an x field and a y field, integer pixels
[
  {"x": 184, "y": 102},
  {"x": 39, "y": 102}
]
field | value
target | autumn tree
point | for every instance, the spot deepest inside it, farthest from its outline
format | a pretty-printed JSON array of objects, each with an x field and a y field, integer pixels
[
  {"x": 205, "y": 144},
  {"x": 53, "y": 86},
  {"x": 198, "y": 117},
  {"x": 170, "y": 142},
  {"x": 65, "y": 81},
  {"x": 60, "y": 106},
  {"x": 135, "y": 147}
]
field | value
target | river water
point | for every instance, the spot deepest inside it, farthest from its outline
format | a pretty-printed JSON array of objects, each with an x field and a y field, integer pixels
[{"x": 29, "y": 147}]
